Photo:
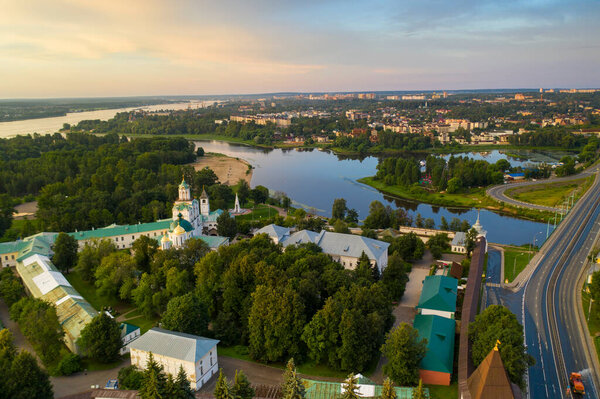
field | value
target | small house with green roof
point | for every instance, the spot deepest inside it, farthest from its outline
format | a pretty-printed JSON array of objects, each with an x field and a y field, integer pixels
[
  {"x": 437, "y": 365},
  {"x": 365, "y": 389},
  {"x": 129, "y": 333},
  {"x": 438, "y": 296}
]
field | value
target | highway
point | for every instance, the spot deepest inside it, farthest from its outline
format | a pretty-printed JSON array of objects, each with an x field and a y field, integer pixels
[
  {"x": 499, "y": 192},
  {"x": 555, "y": 333}
]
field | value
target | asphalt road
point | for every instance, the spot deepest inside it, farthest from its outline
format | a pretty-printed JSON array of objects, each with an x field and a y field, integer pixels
[
  {"x": 554, "y": 332},
  {"x": 499, "y": 192}
]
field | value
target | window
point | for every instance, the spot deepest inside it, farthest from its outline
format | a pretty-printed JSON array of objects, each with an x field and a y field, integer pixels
[
  {"x": 116, "y": 238},
  {"x": 6, "y": 257},
  {"x": 12, "y": 257},
  {"x": 201, "y": 370},
  {"x": 133, "y": 237},
  {"x": 122, "y": 238}
]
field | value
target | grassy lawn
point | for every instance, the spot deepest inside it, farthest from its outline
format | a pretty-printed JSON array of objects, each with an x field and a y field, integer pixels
[
  {"x": 514, "y": 262},
  {"x": 594, "y": 318},
  {"x": 91, "y": 365},
  {"x": 552, "y": 194},
  {"x": 261, "y": 211},
  {"x": 308, "y": 368},
  {"x": 443, "y": 392},
  {"x": 143, "y": 322}
]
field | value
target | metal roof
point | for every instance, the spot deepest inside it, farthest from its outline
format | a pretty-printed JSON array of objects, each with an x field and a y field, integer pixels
[
  {"x": 332, "y": 390},
  {"x": 274, "y": 230},
  {"x": 117, "y": 230},
  {"x": 439, "y": 332},
  {"x": 177, "y": 345},
  {"x": 439, "y": 293}
]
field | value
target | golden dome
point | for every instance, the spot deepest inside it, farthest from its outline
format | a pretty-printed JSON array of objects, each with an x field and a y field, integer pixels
[
  {"x": 165, "y": 238},
  {"x": 179, "y": 231}
]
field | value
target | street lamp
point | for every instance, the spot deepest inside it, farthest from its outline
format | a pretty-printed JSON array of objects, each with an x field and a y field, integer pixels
[{"x": 533, "y": 244}]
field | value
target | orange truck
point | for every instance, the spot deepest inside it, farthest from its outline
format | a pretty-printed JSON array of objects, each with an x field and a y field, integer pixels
[{"x": 577, "y": 383}]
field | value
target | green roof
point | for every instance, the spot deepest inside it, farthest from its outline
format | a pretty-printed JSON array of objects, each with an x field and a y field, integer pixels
[
  {"x": 332, "y": 390},
  {"x": 13, "y": 246},
  {"x": 214, "y": 241},
  {"x": 127, "y": 328},
  {"x": 439, "y": 293},
  {"x": 187, "y": 226},
  {"x": 118, "y": 230},
  {"x": 439, "y": 332},
  {"x": 184, "y": 184},
  {"x": 40, "y": 244}
]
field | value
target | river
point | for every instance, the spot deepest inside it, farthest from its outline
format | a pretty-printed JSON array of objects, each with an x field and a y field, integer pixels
[
  {"x": 314, "y": 178},
  {"x": 52, "y": 125}
]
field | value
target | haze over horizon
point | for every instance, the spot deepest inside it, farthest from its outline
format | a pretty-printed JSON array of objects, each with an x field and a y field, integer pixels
[{"x": 73, "y": 48}]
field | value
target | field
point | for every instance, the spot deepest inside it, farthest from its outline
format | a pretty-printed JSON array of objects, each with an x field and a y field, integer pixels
[
  {"x": 259, "y": 212},
  {"x": 515, "y": 261},
  {"x": 551, "y": 194},
  {"x": 443, "y": 392}
]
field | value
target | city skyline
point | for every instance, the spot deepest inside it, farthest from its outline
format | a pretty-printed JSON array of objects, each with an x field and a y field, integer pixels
[{"x": 79, "y": 49}]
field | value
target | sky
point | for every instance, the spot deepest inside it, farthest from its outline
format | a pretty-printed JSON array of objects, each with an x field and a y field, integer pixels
[{"x": 88, "y": 48}]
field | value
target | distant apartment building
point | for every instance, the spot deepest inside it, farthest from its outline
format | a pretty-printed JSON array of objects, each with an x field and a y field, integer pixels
[
  {"x": 414, "y": 97},
  {"x": 279, "y": 121}
]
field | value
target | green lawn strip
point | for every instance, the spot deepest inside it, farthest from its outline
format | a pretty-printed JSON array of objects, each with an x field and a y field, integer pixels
[
  {"x": 261, "y": 211},
  {"x": 593, "y": 320},
  {"x": 308, "y": 368},
  {"x": 88, "y": 291},
  {"x": 443, "y": 392},
  {"x": 551, "y": 194},
  {"x": 514, "y": 262},
  {"x": 92, "y": 365}
]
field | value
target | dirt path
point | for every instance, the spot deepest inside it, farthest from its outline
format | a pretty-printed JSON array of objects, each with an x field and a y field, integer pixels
[
  {"x": 228, "y": 170},
  {"x": 26, "y": 210}
]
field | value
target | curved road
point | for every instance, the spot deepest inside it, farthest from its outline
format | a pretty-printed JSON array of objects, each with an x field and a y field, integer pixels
[
  {"x": 498, "y": 192},
  {"x": 555, "y": 331}
]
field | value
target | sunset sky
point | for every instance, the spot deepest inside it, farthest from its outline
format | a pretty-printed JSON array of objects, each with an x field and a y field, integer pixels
[{"x": 63, "y": 48}]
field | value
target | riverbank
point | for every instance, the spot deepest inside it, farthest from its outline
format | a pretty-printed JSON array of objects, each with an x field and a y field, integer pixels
[
  {"x": 551, "y": 194},
  {"x": 229, "y": 170},
  {"x": 474, "y": 198}
]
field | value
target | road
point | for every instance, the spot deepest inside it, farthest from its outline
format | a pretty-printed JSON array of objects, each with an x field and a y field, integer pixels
[
  {"x": 555, "y": 333},
  {"x": 499, "y": 192}
]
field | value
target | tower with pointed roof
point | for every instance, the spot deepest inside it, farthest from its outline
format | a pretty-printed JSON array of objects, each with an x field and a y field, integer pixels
[
  {"x": 204, "y": 205},
  {"x": 236, "y": 207},
  {"x": 490, "y": 379},
  {"x": 184, "y": 191}
]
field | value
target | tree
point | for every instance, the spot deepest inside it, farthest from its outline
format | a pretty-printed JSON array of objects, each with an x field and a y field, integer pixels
[
  {"x": 154, "y": 381},
  {"x": 409, "y": 247},
  {"x": 404, "y": 351},
  {"x": 70, "y": 363},
  {"x": 243, "y": 191},
  {"x": 259, "y": 194},
  {"x": 437, "y": 244},
  {"x": 241, "y": 386},
  {"x": 186, "y": 314},
  {"x": 471, "y": 240},
  {"x": 454, "y": 185},
  {"x": 226, "y": 225},
  {"x": 101, "y": 339},
  {"x": 395, "y": 276},
  {"x": 388, "y": 391},
  {"x": 340, "y": 227},
  {"x": 90, "y": 257},
  {"x": 222, "y": 390},
  {"x": 65, "y": 252},
  {"x": 130, "y": 377},
  {"x": 419, "y": 391},
  {"x": 180, "y": 388},
  {"x": 444, "y": 224},
  {"x": 27, "y": 379},
  {"x": 595, "y": 286},
  {"x": 11, "y": 289},
  {"x": 351, "y": 216},
  {"x": 200, "y": 151},
  {"x": 144, "y": 249},
  {"x": 338, "y": 210},
  {"x": 6, "y": 212},
  {"x": 39, "y": 324},
  {"x": 292, "y": 387},
  {"x": 115, "y": 275},
  {"x": 497, "y": 323},
  {"x": 350, "y": 388}
]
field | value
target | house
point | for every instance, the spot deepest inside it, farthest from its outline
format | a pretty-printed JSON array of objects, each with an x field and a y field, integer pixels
[
  {"x": 437, "y": 365},
  {"x": 171, "y": 349},
  {"x": 490, "y": 379},
  {"x": 276, "y": 233},
  {"x": 438, "y": 296},
  {"x": 129, "y": 333},
  {"x": 459, "y": 242},
  {"x": 514, "y": 176},
  {"x": 343, "y": 248}
]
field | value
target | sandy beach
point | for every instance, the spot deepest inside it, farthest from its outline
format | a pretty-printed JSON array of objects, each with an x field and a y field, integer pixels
[{"x": 228, "y": 170}]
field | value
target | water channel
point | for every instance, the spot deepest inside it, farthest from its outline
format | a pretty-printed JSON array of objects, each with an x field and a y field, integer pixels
[{"x": 314, "y": 178}]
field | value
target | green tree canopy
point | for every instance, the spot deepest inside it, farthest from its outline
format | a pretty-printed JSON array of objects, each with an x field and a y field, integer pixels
[
  {"x": 241, "y": 386},
  {"x": 226, "y": 225},
  {"x": 388, "y": 391},
  {"x": 350, "y": 388},
  {"x": 223, "y": 389},
  {"x": 154, "y": 381},
  {"x": 65, "y": 252},
  {"x": 497, "y": 323},
  {"x": 292, "y": 387},
  {"x": 101, "y": 339},
  {"x": 404, "y": 352},
  {"x": 186, "y": 313},
  {"x": 339, "y": 208}
]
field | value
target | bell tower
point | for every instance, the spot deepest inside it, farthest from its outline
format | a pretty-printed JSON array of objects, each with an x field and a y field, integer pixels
[
  {"x": 204, "y": 206},
  {"x": 184, "y": 191}
]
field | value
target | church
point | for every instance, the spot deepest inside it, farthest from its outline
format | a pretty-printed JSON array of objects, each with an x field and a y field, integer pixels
[{"x": 191, "y": 218}]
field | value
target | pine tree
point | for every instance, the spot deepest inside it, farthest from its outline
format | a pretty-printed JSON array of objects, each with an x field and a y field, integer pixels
[
  {"x": 350, "y": 388},
  {"x": 388, "y": 391},
  {"x": 241, "y": 386},
  {"x": 154, "y": 382},
  {"x": 222, "y": 390},
  {"x": 419, "y": 392},
  {"x": 182, "y": 383},
  {"x": 292, "y": 385}
]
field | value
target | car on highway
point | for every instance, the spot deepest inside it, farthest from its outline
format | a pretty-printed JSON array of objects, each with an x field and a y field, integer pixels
[{"x": 577, "y": 384}]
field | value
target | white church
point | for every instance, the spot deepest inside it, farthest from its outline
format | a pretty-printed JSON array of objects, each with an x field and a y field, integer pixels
[{"x": 191, "y": 218}]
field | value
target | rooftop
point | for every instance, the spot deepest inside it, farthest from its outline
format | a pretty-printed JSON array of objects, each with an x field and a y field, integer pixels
[
  {"x": 117, "y": 230},
  {"x": 439, "y": 332},
  {"x": 490, "y": 380},
  {"x": 439, "y": 293},
  {"x": 177, "y": 345}
]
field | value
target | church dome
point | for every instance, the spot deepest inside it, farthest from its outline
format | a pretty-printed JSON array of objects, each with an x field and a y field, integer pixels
[
  {"x": 165, "y": 239},
  {"x": 178, "y": 231},
  {"x": 180, "y": 221}
]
